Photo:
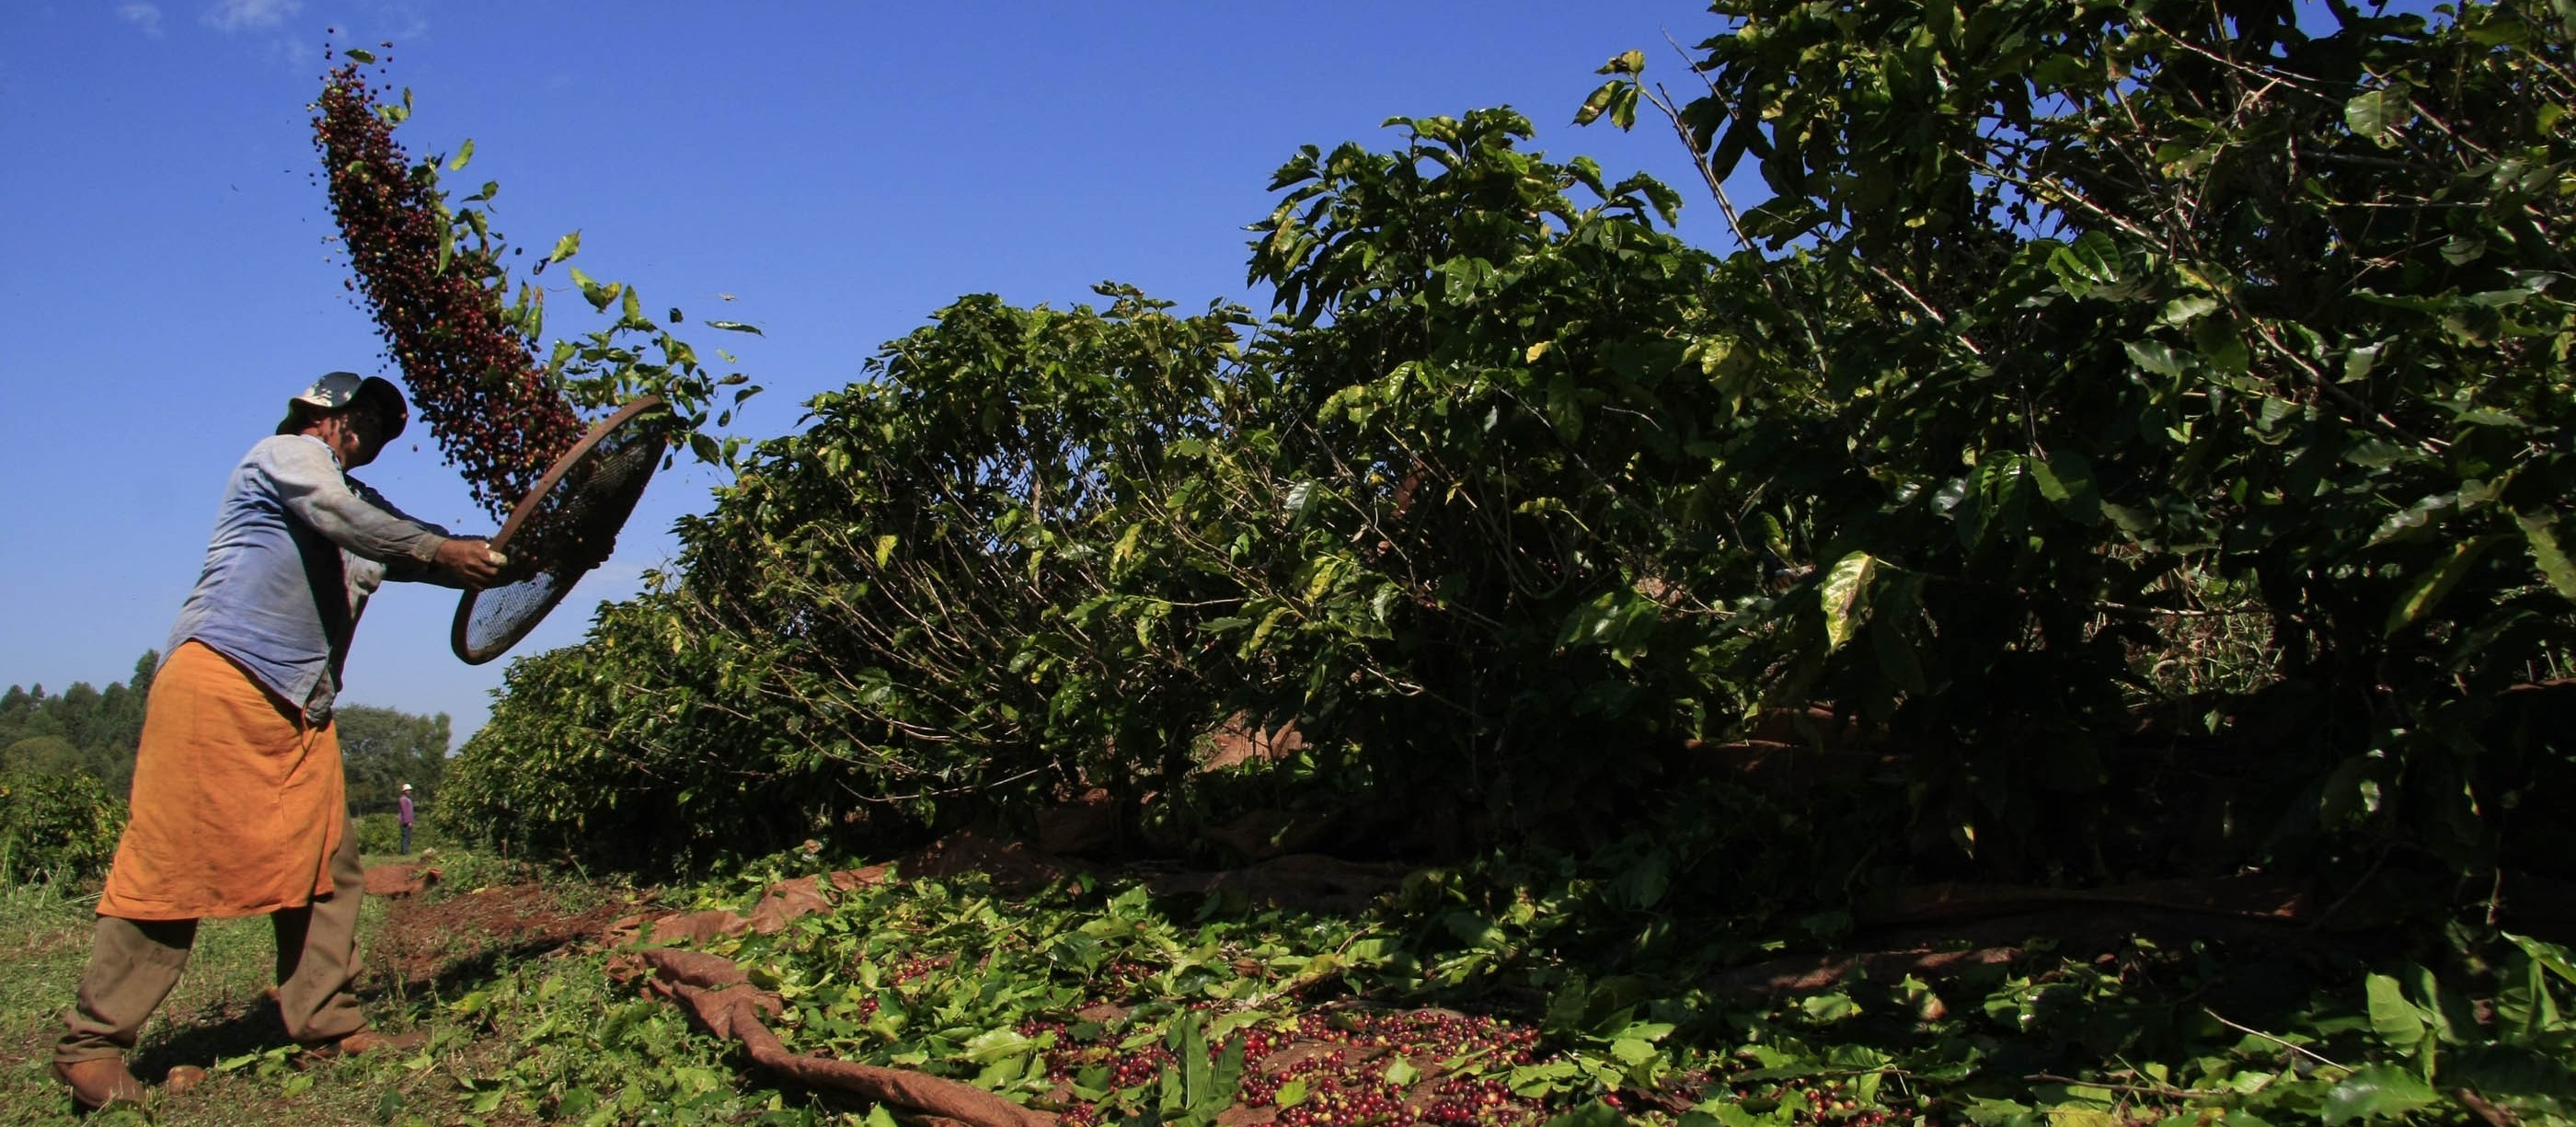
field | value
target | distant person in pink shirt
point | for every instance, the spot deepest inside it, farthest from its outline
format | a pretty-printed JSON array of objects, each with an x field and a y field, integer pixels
[{"x": 404, "y": 804}]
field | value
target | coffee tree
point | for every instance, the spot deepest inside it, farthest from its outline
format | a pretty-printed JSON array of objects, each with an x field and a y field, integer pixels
[
  {"x": 2072, "y": 334},
  {"x": 2133, "y": 303},
  {"x": 1043, "y": 551}
]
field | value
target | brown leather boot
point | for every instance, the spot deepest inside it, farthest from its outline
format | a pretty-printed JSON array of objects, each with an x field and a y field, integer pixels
[
  {"x": 100, "y": 1082},
  {"x": 362, "y": 1041}
]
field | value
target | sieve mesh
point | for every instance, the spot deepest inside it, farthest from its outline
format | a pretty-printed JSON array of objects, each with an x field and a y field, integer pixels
[{"x": 565, "y": 527}]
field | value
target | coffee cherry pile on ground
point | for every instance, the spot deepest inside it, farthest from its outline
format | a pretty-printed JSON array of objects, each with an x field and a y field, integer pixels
[
  {"x": 1337, "y": 1064},
  {"x": 473, "y": 376},
  {"x": 914, "y": 970},
  {"x": 1821, "y": 1101}
]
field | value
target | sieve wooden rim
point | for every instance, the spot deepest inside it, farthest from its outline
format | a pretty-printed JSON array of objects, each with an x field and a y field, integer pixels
[{"x": 520, "y": 515}]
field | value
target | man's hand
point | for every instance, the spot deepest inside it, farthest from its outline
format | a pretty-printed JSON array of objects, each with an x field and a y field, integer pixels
[{"x": 468, "y": 558}]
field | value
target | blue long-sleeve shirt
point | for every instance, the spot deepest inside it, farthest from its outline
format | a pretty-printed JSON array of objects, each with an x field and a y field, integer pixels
[{"x": 298, "y": 547}]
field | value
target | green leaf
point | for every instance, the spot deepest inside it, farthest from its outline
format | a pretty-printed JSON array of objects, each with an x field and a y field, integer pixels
[
  {"x": 2220, "y": 343},
  {"x": 2546, "y": 553},
  {"x": 1829, "y": 1007},
  {"x": 2066, "y": 480},
  {"x": 2379, "y": 1091},
  {"x": 1465, "y": 279},
  {"x": 1591, "y": 623},
  {"x": 1774, "y": 537},
  {"x": 2155, "y": 356},
  {"x": 2378, "y": 115},
  {"x": 2349, "y": 793},
  {"x": 1843, "y": 593},
  {"x": 736, "y": 327},
  {"x": 2428, "y": 589},
  {"x": 1260, "y": 634},
  {"x": 1598, "y": 103},
  {"x": 1301, "y": 498},
  {"x": 1641, "y": 884},
  {"x": 2391, "y": 1015},
  {"x": 359, "y": 55},
  {"x": 566, "y": 247},
  {"x": 2188, "y": 308},
  {"x": 1592, "y": 1114},
  {"x": 2548, "y": 956},
  {"x": 591, "y": 291},
  {"x": 1197, "y": 1073},
  {"x": 464, "y": 153},
  {"x": 996, "y": 1044},
  {"x": 2414, "y": 521},
  {"x": 2086, "y": 264},
  {"x": 1999, "y": 490}
]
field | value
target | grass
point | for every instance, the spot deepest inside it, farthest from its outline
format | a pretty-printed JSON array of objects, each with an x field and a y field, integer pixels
[
  {"x": 215, "y": 1014},
  {"x": 1547, "y": 1010}
]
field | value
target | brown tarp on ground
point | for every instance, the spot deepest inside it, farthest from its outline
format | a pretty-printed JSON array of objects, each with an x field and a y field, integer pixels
[{"x": 722, "y": 999}]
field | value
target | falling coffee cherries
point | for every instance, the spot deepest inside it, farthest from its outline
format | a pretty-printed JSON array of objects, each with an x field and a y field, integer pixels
[{"x": 473, "y": 374}]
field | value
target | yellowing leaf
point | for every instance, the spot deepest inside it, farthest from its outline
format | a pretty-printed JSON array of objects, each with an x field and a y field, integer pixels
[
  {"x": 1327, "y": 570},
  {"x": 1845, "y": 590},
  {"x": 2545, "y": 551},
  {"x": 1261, "y": 633},
  {"x": 2436, "y": 582}
]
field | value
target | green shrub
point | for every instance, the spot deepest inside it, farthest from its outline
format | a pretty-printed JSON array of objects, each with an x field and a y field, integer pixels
[
  {"x": 382, "y": 833},
  {"x": 59, "y": 827},
  {"x": 1048, "y": 549},
  {"x": 1517, "y": 493}
]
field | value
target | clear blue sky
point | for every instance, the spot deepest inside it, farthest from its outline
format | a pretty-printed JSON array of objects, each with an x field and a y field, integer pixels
[{"x": 167, "y": 274}]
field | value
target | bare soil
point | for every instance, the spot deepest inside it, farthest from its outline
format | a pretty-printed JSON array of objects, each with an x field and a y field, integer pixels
[{"x": 434, "y": 937}]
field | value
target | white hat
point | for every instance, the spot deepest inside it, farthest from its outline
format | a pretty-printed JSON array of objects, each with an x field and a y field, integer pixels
[
  {"x": 337, "y": 390},
  {"x": 406, "y": 786}
]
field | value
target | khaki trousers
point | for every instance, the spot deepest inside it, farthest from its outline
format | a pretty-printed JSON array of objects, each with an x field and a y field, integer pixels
[{"x": 134, "y": 963}]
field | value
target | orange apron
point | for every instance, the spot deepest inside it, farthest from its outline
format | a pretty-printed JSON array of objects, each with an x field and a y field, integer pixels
[{"x": 238, "y": 805}]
